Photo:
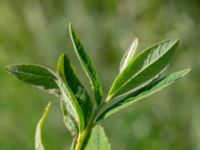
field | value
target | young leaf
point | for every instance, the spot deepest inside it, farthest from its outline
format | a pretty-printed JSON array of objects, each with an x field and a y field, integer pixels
[
  {"x": 144, "y": 68},
  {"x": 35, "y": 75},
  {"x": 38, "y": 135},
  {"x": 76, "y": 87},
  {"x": 129, "y": 54},
  {"x": 69, "y": 121},
  {"x": 87, "y": 65},
  {"x": 142, "y": 93},
  {"x": 98, "y": 140},
  {"x": 68, "y": 96}
]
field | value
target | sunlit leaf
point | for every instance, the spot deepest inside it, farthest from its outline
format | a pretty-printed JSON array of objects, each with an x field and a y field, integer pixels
[
  {"x": 129, "y": 54},
  {"x": 67, "y": 95},
  {"x": 38, "y": 135},
  {"x": 142, "y": 93},
  {"x": 144, "y": 68},
  {"x": 36, "y": 75},
  {"x": 98, "y": 140},
  {"x": 87, "y": 65}
]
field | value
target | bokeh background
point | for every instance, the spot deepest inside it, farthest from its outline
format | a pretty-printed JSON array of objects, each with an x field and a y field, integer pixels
[{"x": 35, "y": 31}]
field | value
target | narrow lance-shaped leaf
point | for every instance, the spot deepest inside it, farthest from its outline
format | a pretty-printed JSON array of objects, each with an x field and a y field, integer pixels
[
  {"x": 144, "y": 68},
  {"x": 87, "y": 65},
  {"x": 142, "y": 93},
  {"x": 69, "y": 121},
  {"x": 35, "y": 75},
  {"x": 68, "y": 96},
  {"x": 38, "y": 135},
  {"x": 98, "y": 140},
  {"x": 129, "y": 54},
  {"x": 77, "y": 88}
]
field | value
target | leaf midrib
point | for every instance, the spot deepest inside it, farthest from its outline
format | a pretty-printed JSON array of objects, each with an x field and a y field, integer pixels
[{"x": 43, "y": 76}]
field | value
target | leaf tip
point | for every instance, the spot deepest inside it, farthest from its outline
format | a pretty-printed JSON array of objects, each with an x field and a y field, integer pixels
[
  {"x": 70, "y": 27},
  {"x": 46, "y": 111},
  {"x": 62, "y": 55},
  {"x": 136, "y": 40},
  {"x": 8, "y": 68},
  {"x": 186, "y": 71},
  {"x": 175, "y": 41},
  {"x": 108, "y": 98},
  {"x": 71, "y": 32},
  {"x": 48, "y": 107}
]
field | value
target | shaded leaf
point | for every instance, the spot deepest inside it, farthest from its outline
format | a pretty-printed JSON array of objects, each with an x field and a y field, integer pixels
[
  {"x": 38, "y": 135},
  {"x": 68, "y": 96},
  {"x": 144, "y": 68},
  {"x": 129, "y": 54},
  {"x": 69, "y": 121},
  {"x": 98, "y": 140},
  {"x": 77, "y": 88},
  {"x": 142, "y": 93},
  {"x": 87, "y": 65},
  {"x": 35, "y": 75}
]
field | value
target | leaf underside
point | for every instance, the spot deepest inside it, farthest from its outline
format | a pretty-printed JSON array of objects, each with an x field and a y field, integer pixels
[
  {"x": 69, "y": 120},
  {"x": 77, "y": 88},
  {"x": 142, "y": 93},
  {"x": 38, "y": 134},
  {"x": 67, "y": 94},
  {"x": 87, "y": 65},
  {"x": 129, "y": 54}
]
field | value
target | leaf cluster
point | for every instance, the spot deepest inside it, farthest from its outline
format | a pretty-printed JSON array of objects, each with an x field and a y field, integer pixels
[{"x": 140, "y": 75}]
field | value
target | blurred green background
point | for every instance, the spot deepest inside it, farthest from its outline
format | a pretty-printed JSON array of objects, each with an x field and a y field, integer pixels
[{"x": 35, "y": 31}]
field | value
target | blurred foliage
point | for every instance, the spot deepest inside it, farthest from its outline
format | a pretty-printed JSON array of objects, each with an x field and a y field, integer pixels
[{"x": 35, "y": 31}]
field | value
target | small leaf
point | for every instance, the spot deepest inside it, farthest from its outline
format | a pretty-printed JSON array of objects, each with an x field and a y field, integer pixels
[
  {"x": 142, "y": 93},
  {"x": 68, "y": 96},
  {"x": 35, "y": 75},
  {"x": 77, "y": 88},
  {"x": 87, "y": 65},
  {"x": 38, "y": 135},
  {"x": 129, "y": 55},
  {"x": 69, "y": 121},
  {"x": 98, "y": 140},
  {"x": 143, "y": 68}
]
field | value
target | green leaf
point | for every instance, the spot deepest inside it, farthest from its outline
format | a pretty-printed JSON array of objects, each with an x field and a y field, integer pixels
[
  {"x": 142, "y": 93},
  {"x": 69, "y": 121},
  {"x": 68, "y": 96},
  {"x": 87, "y": 65},
  {"x": 144, "y": 68},
  {"x": 98, "y": 140},
  {"x": 38, "y": 134},
  {"x": 129, "y": 55},
  {"x": 36, "y": 75},
  {"x": 77, "y": 88}
]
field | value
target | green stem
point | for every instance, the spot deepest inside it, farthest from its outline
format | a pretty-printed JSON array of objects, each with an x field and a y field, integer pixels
[
  {"x": 81, "y": 139},
  {"x": 82, "y": 136},
  {"x": 73, "y": 145}
]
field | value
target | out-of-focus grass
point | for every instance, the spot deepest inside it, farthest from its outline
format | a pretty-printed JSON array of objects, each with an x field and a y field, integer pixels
[{"x": 35, "y": 31}]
